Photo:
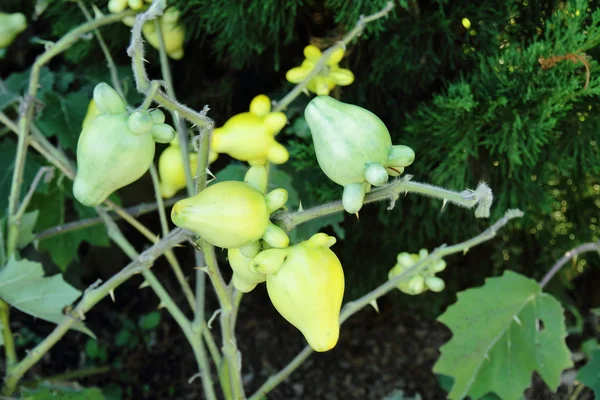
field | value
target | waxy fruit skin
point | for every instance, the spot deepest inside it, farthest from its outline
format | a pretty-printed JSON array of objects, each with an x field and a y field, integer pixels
[{"x": 308, "y": 289}]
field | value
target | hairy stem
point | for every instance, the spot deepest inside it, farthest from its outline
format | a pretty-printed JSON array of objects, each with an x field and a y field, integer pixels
[
  {"x": 584, "y": 248},
  {"x": 358, "y": 29},
  {"x": 467, "y": 198},
  {"x": 136, "y": 52},
  {"x": 353, "y": 306}
]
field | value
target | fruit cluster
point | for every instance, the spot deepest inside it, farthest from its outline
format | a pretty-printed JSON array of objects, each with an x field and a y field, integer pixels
[{"x": 305, "y": 281}]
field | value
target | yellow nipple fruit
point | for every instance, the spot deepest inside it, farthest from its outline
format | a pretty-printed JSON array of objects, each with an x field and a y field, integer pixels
[
  {"x": 173, "y": 33},
  {"x": 10, "y": 27},
  {"x": 305, "y": 283},
  {"x": 116, "y": 147},
  {"x": 171, "y": 170},
  {"x": 233, "y": 214},
  {"x": 327, "y": 79},
  {"x": 250, "y": 136}
]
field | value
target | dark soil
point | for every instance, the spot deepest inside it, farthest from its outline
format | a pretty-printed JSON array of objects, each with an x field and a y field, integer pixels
[{"x": 377, "y": 353}]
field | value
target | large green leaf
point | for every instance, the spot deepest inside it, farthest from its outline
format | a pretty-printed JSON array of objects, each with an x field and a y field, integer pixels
[
  {"x": 589, "y": 375},
  {"x": 23, "y": 286},
  {"x": 502, "y": 332}
]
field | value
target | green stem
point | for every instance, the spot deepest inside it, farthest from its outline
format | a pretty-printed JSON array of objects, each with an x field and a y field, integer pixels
[
  {"x": 134, "y": 211},
  {"x": 199, "y": 322},
  {"x": 136, "y": 52},
  {"x": 90, "y": 298},
  {"x": 353, "y": 306},
  {"x": 150, "y": 94},
  {"x": 167, "y": 302},
  {"x": 358, "y": 29},
  {"x": 230, "y": 351},
  {"x": 467, "y": 198},
  {"x": 185, "y": 286},
  {"x": 42, "y": 172},
  {"x": 573, "y": 253},
  {"x": 26, "y": 116},
  {"x": 7, "y": 335},
  {"x": 110, "y": 63}
]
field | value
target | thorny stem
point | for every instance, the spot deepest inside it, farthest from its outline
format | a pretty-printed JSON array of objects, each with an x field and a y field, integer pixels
[
  {"x": 167, "y": 302},
  {"x": 26, "y": 116},
  {"x": 573, "y": 253},
  {"x": 110, "y": 63},
  {"x": 481, "y": 197},
  {"x": 230, "y": 351},
  {"x": 199, "y": 321},
  {"x": 354, "y": 306},
  {"x": 90, "y": 298},
  {"x": 358, "y": 29},
  {"x": 136, "y": 52}
]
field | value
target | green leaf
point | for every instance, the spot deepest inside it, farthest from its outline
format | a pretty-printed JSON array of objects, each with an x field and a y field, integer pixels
[
  {"x": 63, "y": 116},
  {"x": 23, "y": 286},
  {"x": 52, "y": 206},
  {"x": 589, "y": 375},
  {"x": 149, "y": 321},
  {"x": 62, "y": 392},
  {"x": 502, "y": 332},
  {"x": 26, "y": 235},
  {"x": 8, "y": 149},
  {"x": 232, "y": 172}
]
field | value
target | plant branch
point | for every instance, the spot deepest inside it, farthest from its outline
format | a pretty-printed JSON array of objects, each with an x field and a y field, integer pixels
[
  {"x": 358, "y": 29},
  {"x": 110, "y": 63},
  {"x": 135, "y": 211},
  {"x": 166, "y": 301},
  {"x": 26, "y": 116},
  {"x": 42, "y": 172},
  {"x": 136, "y": 52},
  {"x": 353, "y": 306},
  {"x": 90, "y": 298},
  {"x": 573, "y": 253},
  {"x": 230, "y": 351},
  {"x": 176, "y": 267},
  {"x": 481, "y": 197}
]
